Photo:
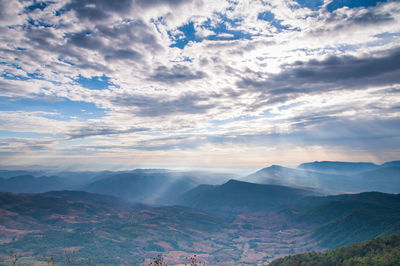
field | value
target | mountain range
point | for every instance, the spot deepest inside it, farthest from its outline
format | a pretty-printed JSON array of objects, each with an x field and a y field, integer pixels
[
  {"x": 254, "y": 226},
  {"x": 162, "y": 186},
  {"x": 239, "y": 196},
  {"x": 378, "y": 251},
  {"x": 29, "y": 183},
  {"x": 129, "y": 217},
  {"x": 333, "y": 177}
]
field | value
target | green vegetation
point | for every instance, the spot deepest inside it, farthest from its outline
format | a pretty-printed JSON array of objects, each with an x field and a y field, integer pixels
[
  {"x": 106, "y": 230},
  {"x": 378, "y": 251},
  {"x": 347, "y": 219},
  {"x": 237, "y": 196}
]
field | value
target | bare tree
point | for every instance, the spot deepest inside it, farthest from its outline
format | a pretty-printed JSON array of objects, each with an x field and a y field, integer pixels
[
  {"x": 158, "y": 261},
  {"x": 194, "y": 261},
  {"x": 14, "y": 259}
]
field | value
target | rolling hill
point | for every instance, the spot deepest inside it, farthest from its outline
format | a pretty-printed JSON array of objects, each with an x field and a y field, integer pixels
[
  {"x": 343, "y": 168},
  {"x": 345, "y": 219},
  {"x": 379, "y": 251},
  {"x": 237, "y": 222},
  {"x": 238, "y": 196},
  {"x": 103, "y": 228},
  {"x": 385, "y": 179},
  {"x": 5, "y": 174},
  {"x": 333, "y": 177},
  {"x": 31, "y": 184},
  {"x": 151, "y": 188},
  {"x": 279, "y": 175}
]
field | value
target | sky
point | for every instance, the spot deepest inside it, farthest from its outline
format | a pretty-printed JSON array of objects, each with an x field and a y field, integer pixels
[{"x": 198, "y": 83}]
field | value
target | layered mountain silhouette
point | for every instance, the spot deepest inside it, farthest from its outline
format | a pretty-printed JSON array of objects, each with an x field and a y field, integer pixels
[
  {"x": 151, "y": 188},
  {"x": 31, "y": 184},
  {"x": 333, "y": 177},
  {"x": 279, "y": 175},
  {"x": 344, "y": 219},
  {"x": 239, "y": 196},
  {"x": 161, "y": 186},
  {"x": 224, "y": 221},
  {"x": 344, "y": 168}
]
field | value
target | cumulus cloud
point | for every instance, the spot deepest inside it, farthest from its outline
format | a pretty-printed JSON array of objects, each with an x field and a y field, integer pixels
[
  {"x": 231, "y": 73},
  {"x": 175, "y": 74},
  {"x": 334, "y": 72},
  {"x": 93, "y": 130}
]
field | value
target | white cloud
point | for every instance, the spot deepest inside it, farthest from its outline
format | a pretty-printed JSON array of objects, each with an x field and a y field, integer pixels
[{"x": 168, "y": 91}]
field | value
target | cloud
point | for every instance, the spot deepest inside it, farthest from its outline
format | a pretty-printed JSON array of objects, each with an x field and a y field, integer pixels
[
  {"x": 331, "y": 73},
  {"x": 155, "y": 3},
  {"x": 98, "y": 130},
  {"x": 85, "y": 40},
  {"x": 21, "y": 145},
  {"x": 99, "y": 9},
  {"x": 152, "y": 106},
  {"x": 176, "y": 74},
  {"x": 17, "y": 88},
  {"x": 336, "y": 69},
  {"x": 281, "y": 75}
]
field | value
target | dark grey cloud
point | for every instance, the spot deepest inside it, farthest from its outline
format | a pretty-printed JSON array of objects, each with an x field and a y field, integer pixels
[
  {"x": 116, "y": 39},
  {"x": 154, "y": 3},
  {"x": 40, "y": 37},
  {"x": 132, "y": 32},
  {"x": 96, "y": 10},
  {"x": 156, "y": 106},
  {"x": 93, "y": 41},
  {"x": 337, "y": 69},
  {"x": 176, "y": 74},
  {"x": 122, "y": 54},
  {"x": 3, "y": 9},
  {"x": 333, "y": 73},
  {"x": 86, "y": 40},
  {"x": 95, "y": 130},
  {"x": 343, "y": 21},
  {"x": 370, "y": 16},
  {"x": 43, "y": 39},
  {"x": 126, "y": 41}
]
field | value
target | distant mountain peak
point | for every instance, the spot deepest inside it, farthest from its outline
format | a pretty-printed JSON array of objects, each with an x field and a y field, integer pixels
[
  {"x": 391, "y": 164},
  {"x": 237, "y": 195},
  {"x": 336, "y": 163},
  {"x": 275, "y": 166},
  {"x": 337, "y": 167},
  {"x": 22, "y": 177},
  {"x": 234, "y": 181}
]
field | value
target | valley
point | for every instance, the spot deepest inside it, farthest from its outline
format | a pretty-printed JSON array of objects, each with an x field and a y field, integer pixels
[{"x": 130, "y": 218}]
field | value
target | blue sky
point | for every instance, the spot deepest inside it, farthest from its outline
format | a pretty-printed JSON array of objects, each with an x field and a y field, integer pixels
[{"x": 196, "y": 83}]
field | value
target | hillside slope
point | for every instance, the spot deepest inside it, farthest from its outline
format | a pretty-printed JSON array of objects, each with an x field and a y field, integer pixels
[
  {"x": 344, "y": 219},
  {"x": 152, "y": 188},
  {"x": 332, "y": 167},
  {"x": 378, "y": 251},
  {"x": 285, "y": 176},
  {"x": 31, "y": 184},
  {"x": 239, "y": 196}
]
